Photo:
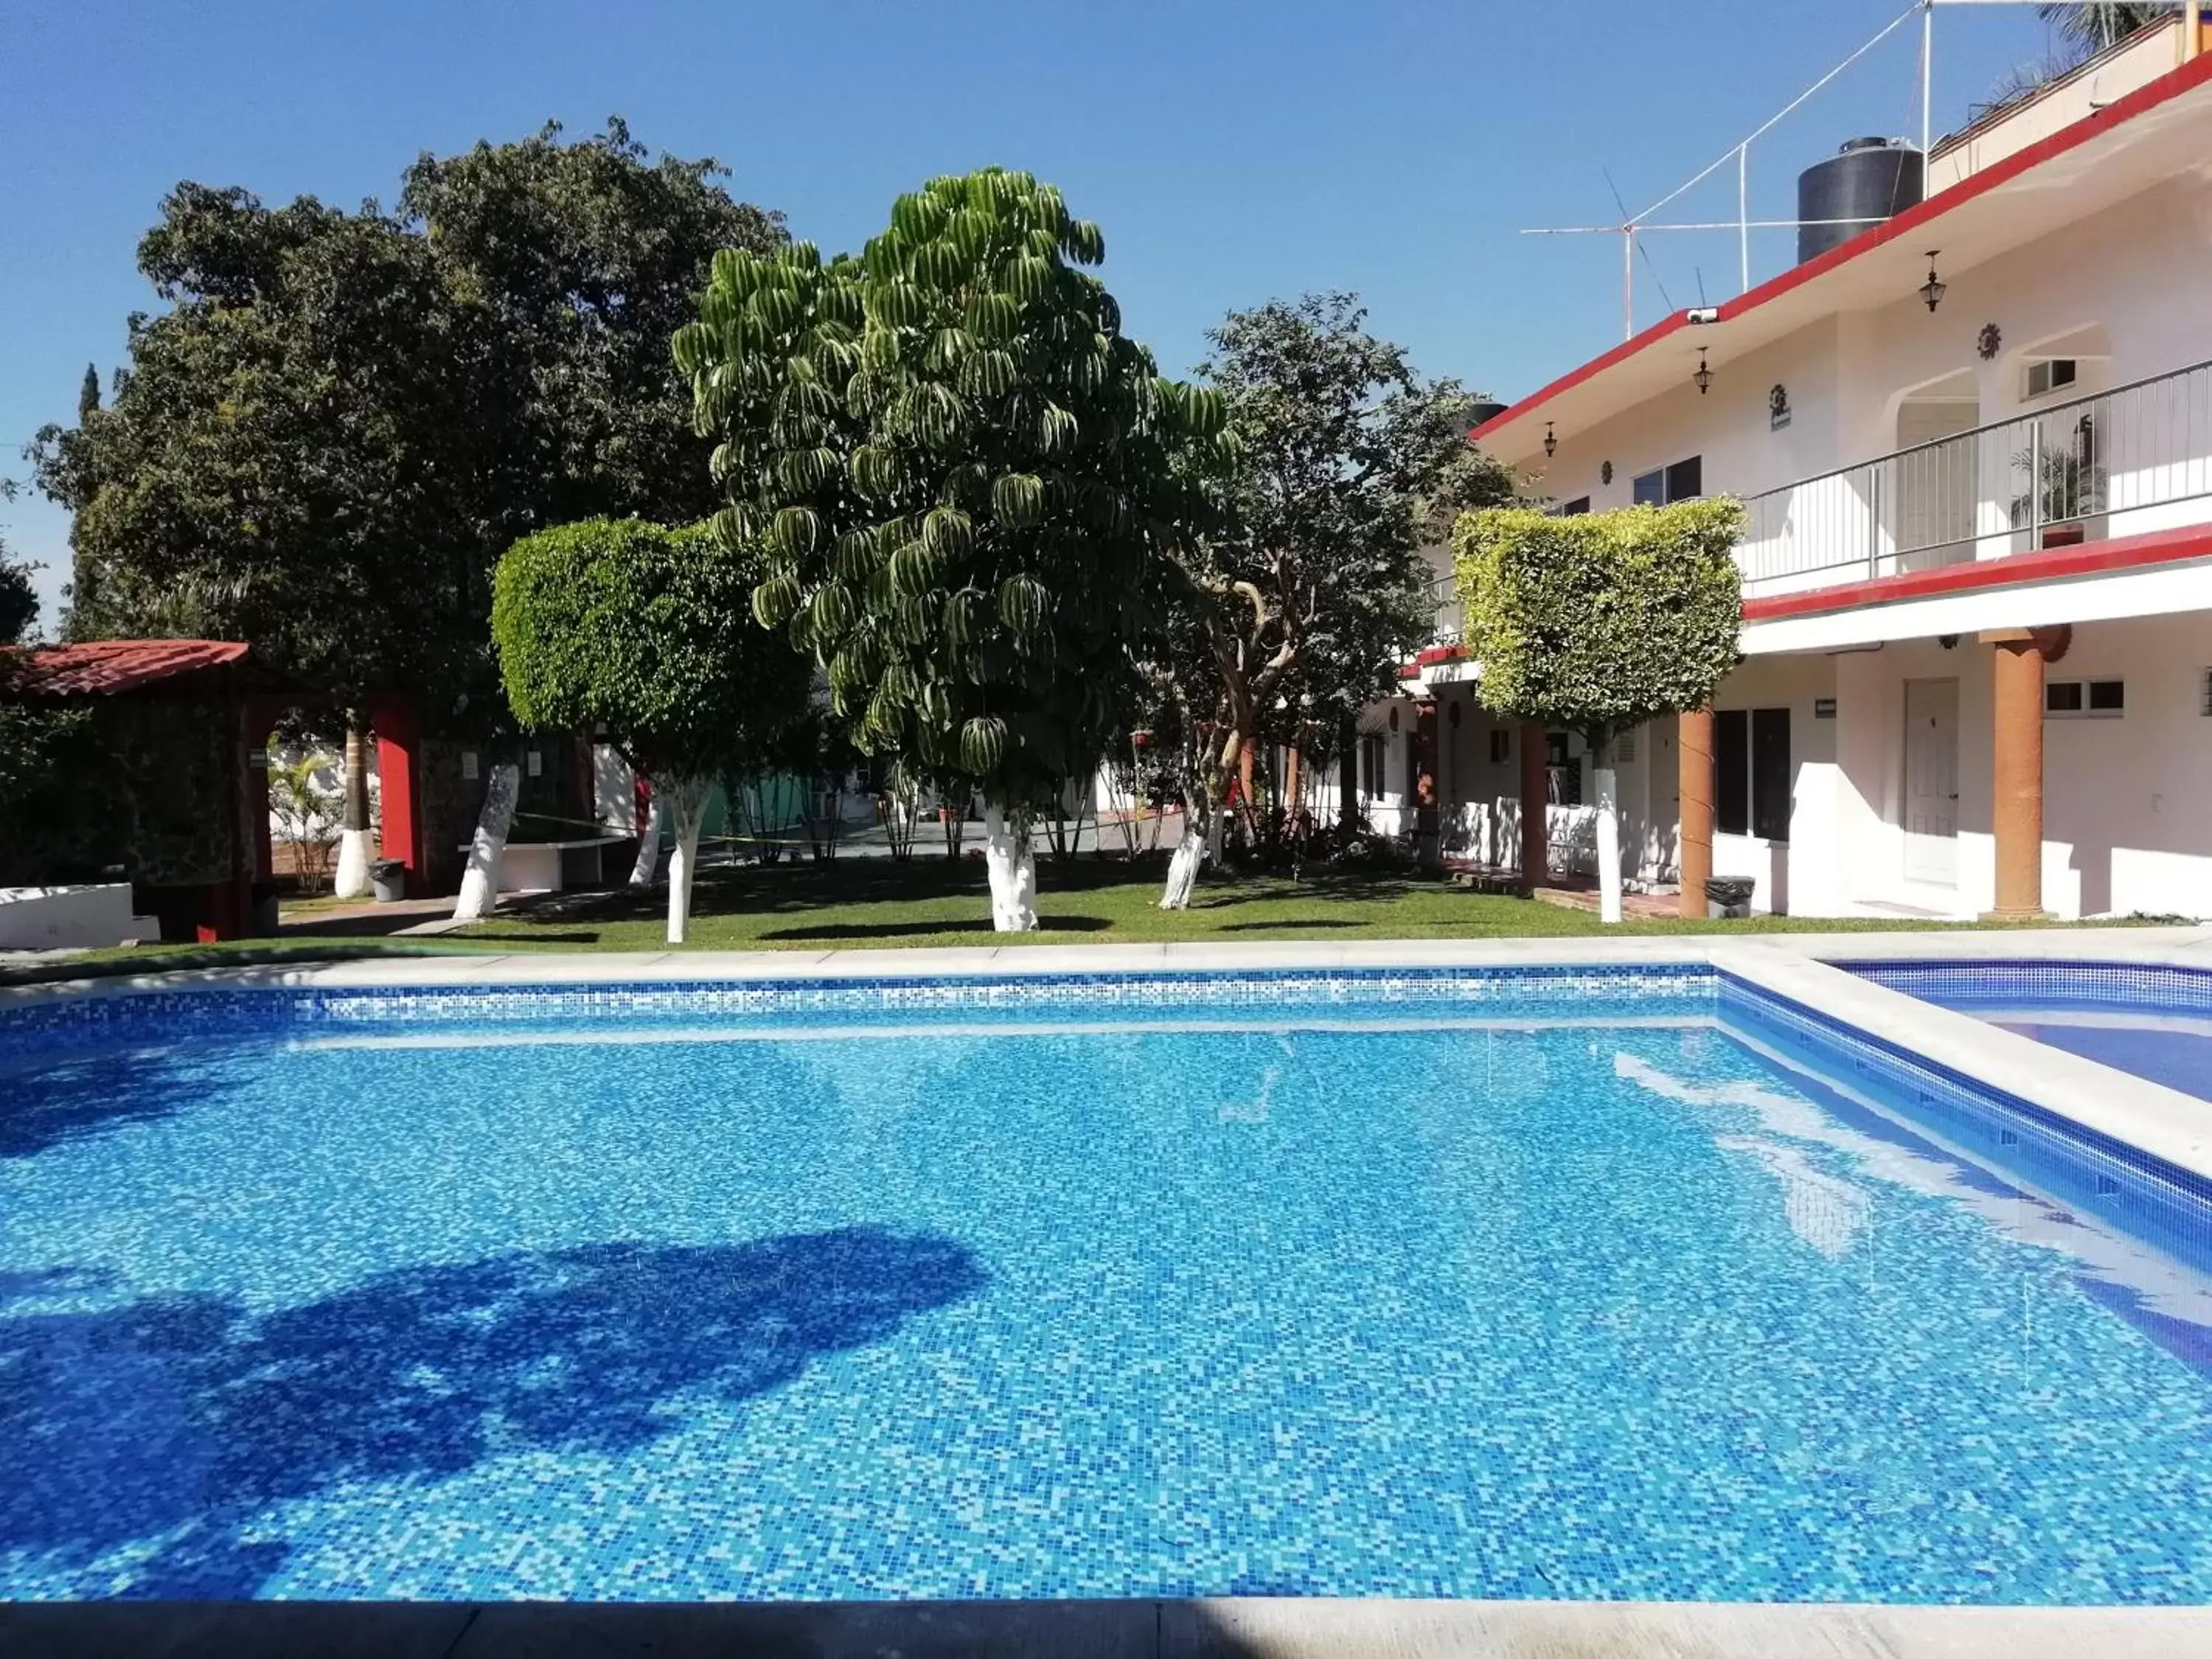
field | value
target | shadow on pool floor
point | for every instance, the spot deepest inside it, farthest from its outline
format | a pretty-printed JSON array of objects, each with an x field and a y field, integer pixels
[{"x": 183, "y": 1416}]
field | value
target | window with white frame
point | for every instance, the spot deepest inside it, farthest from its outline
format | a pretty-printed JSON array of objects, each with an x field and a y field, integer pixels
[
  {"x": 2096, "y": 700},
  {"x": 2045, "y": 375}
]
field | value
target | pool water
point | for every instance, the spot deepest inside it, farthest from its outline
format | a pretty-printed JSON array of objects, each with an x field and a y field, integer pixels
[
  {"x": 2155, "y": 1022},
  {"x": 1594, "y": 1301}
]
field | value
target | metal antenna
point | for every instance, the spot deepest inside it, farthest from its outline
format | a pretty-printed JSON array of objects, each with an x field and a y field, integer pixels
[{"x": 1628, "y": 227}]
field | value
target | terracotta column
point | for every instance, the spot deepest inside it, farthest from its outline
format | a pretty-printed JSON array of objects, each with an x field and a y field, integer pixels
[
  {"x": 1694, "y": 761},
  {"x": 1535, "y": 803},
  {"x": 2016, "y": 769}
]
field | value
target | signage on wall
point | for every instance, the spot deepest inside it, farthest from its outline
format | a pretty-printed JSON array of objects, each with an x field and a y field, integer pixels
[
  {"x": 1824, "y": 708},
  {"x": 1449, "y": 673}
]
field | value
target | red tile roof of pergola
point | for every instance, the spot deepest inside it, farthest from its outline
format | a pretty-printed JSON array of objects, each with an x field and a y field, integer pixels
[{"x": 108, "y": 668}]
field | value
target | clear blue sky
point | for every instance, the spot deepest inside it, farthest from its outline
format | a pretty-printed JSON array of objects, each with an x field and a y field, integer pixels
[{"x": 1232, "y": 150}]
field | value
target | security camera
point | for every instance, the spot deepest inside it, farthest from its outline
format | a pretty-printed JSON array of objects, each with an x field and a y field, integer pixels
[{"x": 1705, "y": 314}]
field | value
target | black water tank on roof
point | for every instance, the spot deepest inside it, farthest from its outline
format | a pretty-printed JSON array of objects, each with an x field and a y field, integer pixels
[{"x": 1871, "y": 180}]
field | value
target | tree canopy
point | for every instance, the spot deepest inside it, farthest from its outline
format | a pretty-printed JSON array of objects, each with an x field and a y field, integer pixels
[
  {"x": 1348, "y": 463},
  {"x": 1598, "y": 622},
  {"x": 620, "y": 627},
  {"x": 583, "y": 258},
  {"x": 964, "y": 474},
  {"x": 323, "y": 443}
]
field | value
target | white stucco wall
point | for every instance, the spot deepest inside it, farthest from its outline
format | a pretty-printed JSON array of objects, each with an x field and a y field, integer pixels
[
  {"x": 2127, "y": 801},
  {"x": 2120, "y": 290}
]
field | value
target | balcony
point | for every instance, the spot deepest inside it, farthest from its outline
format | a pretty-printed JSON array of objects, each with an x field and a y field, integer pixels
[{"x": 2136, "y": 459}]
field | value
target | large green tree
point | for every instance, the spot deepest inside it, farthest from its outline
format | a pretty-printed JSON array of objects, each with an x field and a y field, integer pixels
[
  {"x": 583, "y": 258},
  {"x": 324, "y": 441},
  {"x": 965, "y": 477},
  {"x": 1348, "y": 463},
  {"x": 1599, "y": 622},
  {"x": 643, "y": 634}
]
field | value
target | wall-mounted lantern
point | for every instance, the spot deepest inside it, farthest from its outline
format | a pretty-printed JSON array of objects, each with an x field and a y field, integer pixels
[
  {"x": 1551, "y": 441},
  {"x": 1703, "y": 377}
]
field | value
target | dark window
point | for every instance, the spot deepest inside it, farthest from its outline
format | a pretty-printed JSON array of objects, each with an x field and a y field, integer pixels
[
  {"x": 1682, "y": 482},
  {"x": 2108, "y": 697},
  {"x": 1501, "y": 745},
  {"x": 1770, "y": 774},
  {"x": 1370, "y": 755},
  {"x": 2063, "y": 697},
  {"x": 1566, "y": 771},
  {"x": 1574, "y": 509},
  {"x": 1732, "y": 771}
]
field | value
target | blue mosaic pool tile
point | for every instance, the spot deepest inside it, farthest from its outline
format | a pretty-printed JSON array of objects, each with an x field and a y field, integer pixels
[
  {"x": 1434, "y": 1283},
  {"x": 2146, "y": 1197},
  {"x": 131, "y": 1015},
  {"x": 2166, "y": 987}
]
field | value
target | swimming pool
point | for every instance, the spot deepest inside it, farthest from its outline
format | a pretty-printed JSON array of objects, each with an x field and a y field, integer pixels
[
  {"x": 2154, "y": 1021},
  {"x": 1565, "y": 1284}
]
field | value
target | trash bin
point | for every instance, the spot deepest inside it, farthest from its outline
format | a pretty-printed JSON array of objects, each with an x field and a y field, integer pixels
[
  {"x": 1728, "y": 895},
  {"x": 387, "y": 879}
]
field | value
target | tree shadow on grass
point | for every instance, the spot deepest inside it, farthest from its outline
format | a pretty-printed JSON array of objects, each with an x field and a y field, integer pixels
[
  {"x": 175, "y": 1421},
  {"x": 1301, "y": 922},
  {"x": 964, "y": 925}
]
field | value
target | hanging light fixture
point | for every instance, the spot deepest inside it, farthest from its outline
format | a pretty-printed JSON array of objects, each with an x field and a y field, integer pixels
[
  {"x": 1703, "y": 377},
  {"x": 1551, "y": 440},
  {"x": 1934, "y": 288}
]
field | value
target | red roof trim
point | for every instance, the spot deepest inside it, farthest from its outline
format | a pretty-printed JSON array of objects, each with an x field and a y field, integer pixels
[
  {"x": 2171, "y": 84},
  {"x": 2053, "y": 564},
  {"x": 102, "y": 668}
]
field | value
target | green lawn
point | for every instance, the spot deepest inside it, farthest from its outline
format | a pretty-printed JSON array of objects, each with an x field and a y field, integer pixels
[
  {"x": 933, "y": 902},
  {"x": 875, "y": 902}
]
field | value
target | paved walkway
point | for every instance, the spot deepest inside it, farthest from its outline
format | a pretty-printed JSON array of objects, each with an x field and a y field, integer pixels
[{"x": 1288, "y": 1629}]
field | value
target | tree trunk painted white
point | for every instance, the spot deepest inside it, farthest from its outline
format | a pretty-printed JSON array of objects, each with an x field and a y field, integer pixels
[
  {"x": 1184, "y": 867},
  {"x": 649, "y": 846},
  {"x": 687, "y": 799},
  {"x": 1010, "y": 861},
  {"x": 352, "y": 879},
  {"x": 1608, "y": 836},
  {"x": 480, "y": 881}
]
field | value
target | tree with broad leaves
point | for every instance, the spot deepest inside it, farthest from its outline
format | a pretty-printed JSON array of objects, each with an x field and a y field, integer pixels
[
  {"x": 1299, "y": 606},
  {"x": 620, "y": 627},
  {"x": 966, "y": 479},
  {"x": 1599, "y": 622}
]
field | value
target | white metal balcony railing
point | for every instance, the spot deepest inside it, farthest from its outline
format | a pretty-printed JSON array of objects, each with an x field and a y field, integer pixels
[
  {"x": 1443, "y": 594},
  {"x": 2118, "y": 463}
]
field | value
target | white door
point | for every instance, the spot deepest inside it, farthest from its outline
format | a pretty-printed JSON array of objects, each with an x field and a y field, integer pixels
[{"x": 1931, "y": 781}]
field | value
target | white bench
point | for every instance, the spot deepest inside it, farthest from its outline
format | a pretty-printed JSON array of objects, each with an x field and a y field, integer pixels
[{"x": 554, "y": 867}]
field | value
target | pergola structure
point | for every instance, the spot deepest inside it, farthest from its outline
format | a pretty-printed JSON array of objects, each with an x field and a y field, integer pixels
[{"x": 212, "y": 877}]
